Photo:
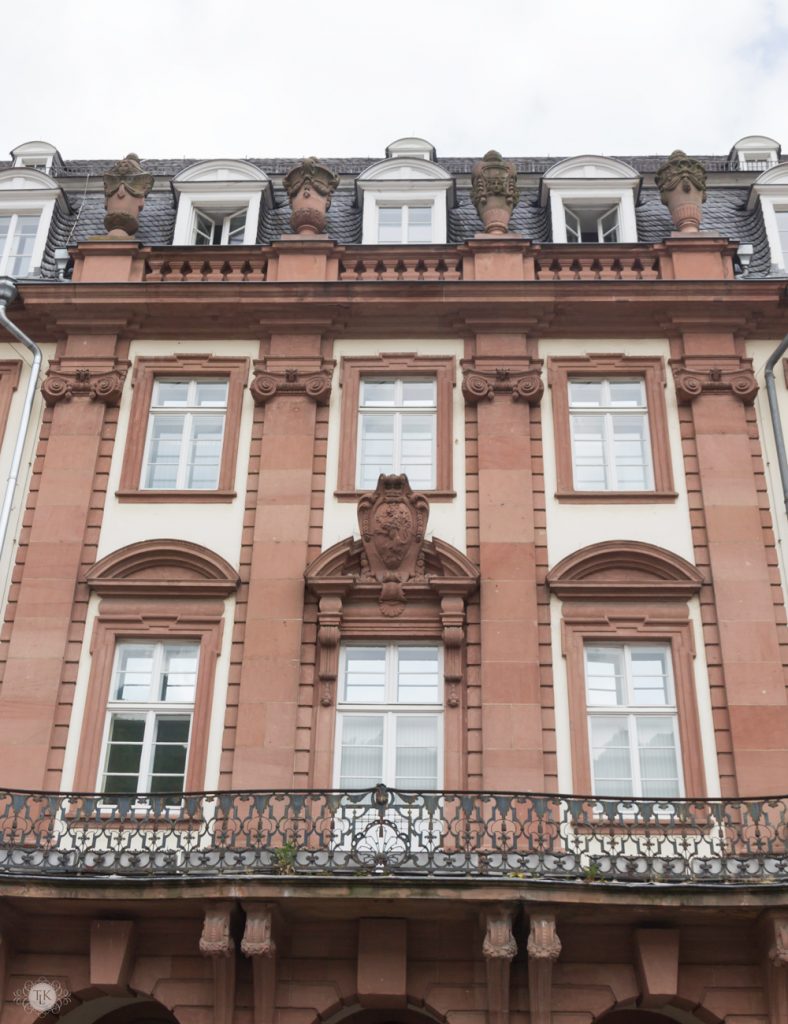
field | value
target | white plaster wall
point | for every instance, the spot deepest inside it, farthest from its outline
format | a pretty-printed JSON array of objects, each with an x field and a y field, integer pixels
[
  {"x": 13, "y": 350},
  {"x": 447, "y": 519},
  {"x": 215, "y": 525},
  {"x": 571, "y": 527},
  {"x": 759, "y": 352}
]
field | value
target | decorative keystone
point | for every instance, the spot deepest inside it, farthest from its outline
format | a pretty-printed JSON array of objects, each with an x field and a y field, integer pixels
[
  {"x": 309, "y": 187},
  {"x": 495, "y": 193},
  {"x": 682, "y": 188},
  {"x": 125, "y": 188}
]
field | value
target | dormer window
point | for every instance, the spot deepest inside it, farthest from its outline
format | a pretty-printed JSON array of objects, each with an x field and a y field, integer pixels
[
  {"x": 771, "y": 188},
  {"x": 405, "y": 196},
  {"x": 592, "y": 200},
  {"x": 754, "y": 153},
  {"x": 38, "y": 156},
  {"x": 219, "y": 203},
  {"x": 27, "y": 201}
]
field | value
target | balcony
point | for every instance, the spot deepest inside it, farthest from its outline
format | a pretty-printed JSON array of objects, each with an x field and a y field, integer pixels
[{"x": 383, "y": 833}]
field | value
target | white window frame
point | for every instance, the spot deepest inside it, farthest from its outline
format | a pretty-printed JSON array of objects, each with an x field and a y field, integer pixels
[
  {"x": 404, "y": 209},
  {"x": 631, "y": 711},
  {"x": 397, "y": 412},
  {"x": 390, "y": 709},
  {"x": 219, "y": 188},
  {"x": 772, "y": 203},
  {"x": 6, "y": 247},
  {"x": 755, "y": 153},
  {"x": 190, "y": 412},
  {"x": 28, "y": 192},
  {"x": 38, "y": 156},
  {"x": 605, "y": 198},
  {"x": 152, "y": 711},
  {"x": 603, "y": 232},
  {"x": 400, "y": 180},
  {"x": 214, "y": 219},
  {"x": 606, "y": 413}
]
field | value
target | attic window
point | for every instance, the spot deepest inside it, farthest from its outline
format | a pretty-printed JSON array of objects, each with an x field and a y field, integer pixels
[
  {"x": 755, "y": 153},
  {"x": 592, "y": 223},
  {"x": 219, "y": 203}
]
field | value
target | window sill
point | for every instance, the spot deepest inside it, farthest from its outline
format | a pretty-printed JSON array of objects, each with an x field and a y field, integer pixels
[
  {"x": 175, "y": 496},
  {"x": 437, "y": 496},
  {"x": 616, "y": 497}
]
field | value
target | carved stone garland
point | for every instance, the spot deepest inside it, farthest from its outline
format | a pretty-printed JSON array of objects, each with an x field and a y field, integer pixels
[
  {"x": 391, "y": 573},
  {"x": 101, "y": 380}
]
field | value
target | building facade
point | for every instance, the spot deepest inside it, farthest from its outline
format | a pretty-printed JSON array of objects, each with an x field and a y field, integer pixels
[{"x": 394, "y": 589}]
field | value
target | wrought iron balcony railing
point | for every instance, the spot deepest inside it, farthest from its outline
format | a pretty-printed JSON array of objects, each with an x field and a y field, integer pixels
[{"x": 383, "y": 832}]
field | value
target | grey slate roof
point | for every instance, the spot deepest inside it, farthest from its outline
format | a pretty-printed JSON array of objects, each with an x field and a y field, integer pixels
[{"x": 725, "y": 209}]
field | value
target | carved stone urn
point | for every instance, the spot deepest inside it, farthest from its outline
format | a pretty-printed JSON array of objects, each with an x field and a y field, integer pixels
[
  {"x": 309, "y": 187},
  {"x": 125, "y": 188},
  {"x": 682, "y": 187},
  {"x": 494, "y": 193}
]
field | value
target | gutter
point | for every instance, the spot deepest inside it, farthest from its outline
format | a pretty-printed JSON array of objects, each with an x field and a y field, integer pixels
[
  {"x": 8, "y": 292},
  {"x": 774, "y": 411}
]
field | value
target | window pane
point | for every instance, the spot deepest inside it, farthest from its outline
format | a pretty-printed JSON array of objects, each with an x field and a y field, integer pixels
[
  {"x": 376, "y": 448},
  {"x": 585, "y": 392},
  {"x": 204, "y": 228},
  {"x": 657, "y": 752},
  {"x": 417, "y": 752},
  {"x": 361, "y": 760},
  {"x": 417, "y": 450},
  {"x": 236, "y": 228},
  {"x": 572, "y": 221},
  {"x": 418, "y": 392},
  {"x": 166, "y": 432},
  {"x": 22, "y": 245},
  {"x": 627, "y": 393},
  {"x": 5, "y": 224},
  {"x": 608, "y": 226},
  {"x": 365, "y": 675},
  {"x": 417, "y": 681},
  {"x": 205, "y": 452},
  {"x": 650, "y": 676},
  {"x": 631, "y": 453},
  {"x": 134, "y": 674},
  {"x": 390, "y": 224},
  {"x": 210, "y": 393},
  {"x": 124, "y": 754},
  {"x": 588, "y": 448},
  {"x": 179, "y": 675},
  {"x": 782, "y": 227},
  {"x": 610, "y": 757},
  {"x": 420, "y": 224},
  {"x": 604, "y": 676},
  {"x": 378, "y": 392},
  {"x": 170, "y": 393}
]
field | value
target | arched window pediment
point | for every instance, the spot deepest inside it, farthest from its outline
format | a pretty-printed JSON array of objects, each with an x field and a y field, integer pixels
[
  {"x": 162, "y": 568},
  {"x": 206, "y": 171},
  {"x": 629, "y": 570}
]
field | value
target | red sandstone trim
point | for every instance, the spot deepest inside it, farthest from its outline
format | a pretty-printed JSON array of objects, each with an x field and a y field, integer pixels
[{"x": 10, "y": 370}]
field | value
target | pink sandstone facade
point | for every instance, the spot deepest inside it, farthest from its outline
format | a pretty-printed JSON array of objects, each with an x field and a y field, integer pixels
[{"x": 484, "y": 875}]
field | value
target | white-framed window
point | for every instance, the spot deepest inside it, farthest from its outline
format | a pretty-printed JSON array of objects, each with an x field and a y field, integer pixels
[
  {"x": 38, "y": 156},
  {"x": 755, "y": 153},
  {"x": 217, "y": 228},
  {"x": 397, "y": 430},
  {"x": 149, "y": 717},
  {"x": 18, "y": 233},
  {"x": 632, "y": 721},
  {"x": 183, "y": 447},
  {"x": 611, "y": 447},
  {"x": 390, "y": 717},
  {"x": 219, "y": 202},
  {"x": 405, "y": 223},
  {"x": 592, "y": 223}
]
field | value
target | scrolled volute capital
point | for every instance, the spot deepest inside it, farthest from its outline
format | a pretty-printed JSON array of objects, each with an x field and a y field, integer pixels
[{"x": 681, "y": 171}]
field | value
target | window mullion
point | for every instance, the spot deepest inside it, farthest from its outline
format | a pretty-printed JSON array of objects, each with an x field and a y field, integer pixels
[
  {"x": 146, "y": 754},
  {"x": 610, "y": 461},
  {"x": 183, "y": 455},
  {"x": 397, "y": 442}
]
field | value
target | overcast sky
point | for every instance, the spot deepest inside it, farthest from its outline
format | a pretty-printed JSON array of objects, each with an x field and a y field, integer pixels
[{"x": 234, "y": 78}]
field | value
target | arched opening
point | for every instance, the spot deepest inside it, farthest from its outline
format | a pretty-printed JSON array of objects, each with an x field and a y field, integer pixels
[
  {"x": 665, "y": 1015},
  {"x": 356, "y": 1014},
  {"x": 139, "y": 1009}
]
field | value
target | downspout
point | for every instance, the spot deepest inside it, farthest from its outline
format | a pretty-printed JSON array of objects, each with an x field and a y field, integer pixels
[{"x": 8, "y": 292}]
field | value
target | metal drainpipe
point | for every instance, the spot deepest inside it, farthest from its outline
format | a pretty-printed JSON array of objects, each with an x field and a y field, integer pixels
[
  {"x": 8, "y": 292},
  {"x": 774, "y": 410}
]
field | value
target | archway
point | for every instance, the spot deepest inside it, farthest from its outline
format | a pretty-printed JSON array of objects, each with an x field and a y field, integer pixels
[
  {"x": 116, "y": 1010},
  {"x": 665, "y": 1015}
]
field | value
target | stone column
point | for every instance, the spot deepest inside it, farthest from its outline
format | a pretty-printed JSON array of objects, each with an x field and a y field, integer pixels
[
  {"x": 502, "y": 381},
  {"x": 82, "y": 382}
]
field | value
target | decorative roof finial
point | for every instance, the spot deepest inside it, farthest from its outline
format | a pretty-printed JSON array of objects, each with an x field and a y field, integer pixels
[
  {"x": 125, "y": 188},
  {"x": 309, "y": 186},
  {"x": 495, "y": 193},
  {"x": 682, "y": 185}
]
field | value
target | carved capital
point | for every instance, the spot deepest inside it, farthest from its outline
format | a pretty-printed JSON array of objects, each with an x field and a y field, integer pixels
[
  {"x": 258, "y": 937},
  {"x": 268, "y": 383},
  {"x": 216, "y": 938},
  {"x": 523, "y": 382},
  {"x": 777, "y": 950},
  {"x": 725, "y": 375},
  {"x": 100, "y": 380},
  {"x": 544, "y": 948},
  {"x": 499, "y": 941},
  {"x": 543, "y": 941}
]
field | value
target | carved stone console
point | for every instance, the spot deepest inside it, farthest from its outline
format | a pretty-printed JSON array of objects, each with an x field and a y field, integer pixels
[
  {"x": 773, "y": 928},
  {"x": 392, "y": 572},
  {"x": 98, "y": 379},
  {"x": 721, "y": 375},
  {"x": 544, "y": 948},
  {"x": 218, "y": 943},
  {"x": 258, "y": 944},
  {"x": 499, "y": 949},
  {"x": 522, "y": 380}
]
